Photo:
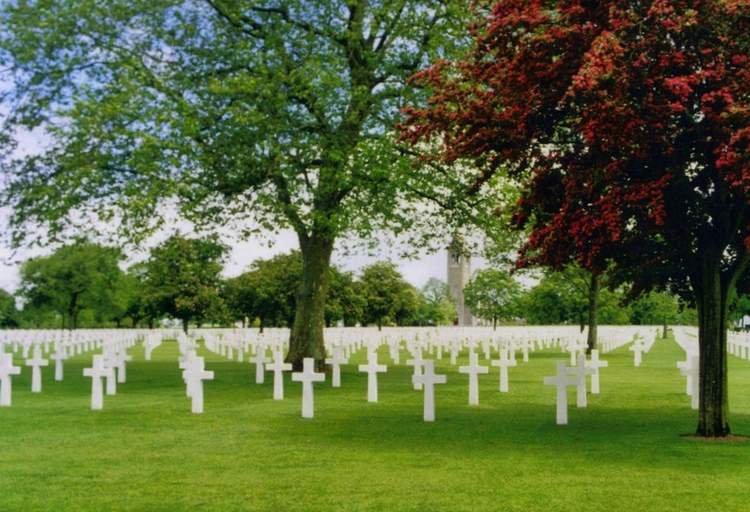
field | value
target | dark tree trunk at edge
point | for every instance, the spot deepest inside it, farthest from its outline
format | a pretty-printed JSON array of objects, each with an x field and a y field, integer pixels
[
  {"x": 711, "y": 299},
  {"x": 306, "y": 338},
  {"x": 593, "y": 320}
]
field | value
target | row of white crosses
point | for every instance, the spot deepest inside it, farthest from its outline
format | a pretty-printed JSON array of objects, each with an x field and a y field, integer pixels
[
  {"x": 738, "y": 344},
  {"x": 687, "y": 338},
  {"x": 37, "y": 342},
  {"x": 110, "y": 365},
  {"x": 575, "y": 376}
]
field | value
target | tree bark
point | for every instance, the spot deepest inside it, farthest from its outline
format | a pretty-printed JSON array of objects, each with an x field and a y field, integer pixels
[
  {"x": 185, "y": 325},
  {"x": 711, "y": 299},
  {"x": 593, "y": 320},
  {"x": 306, "y": 338}
]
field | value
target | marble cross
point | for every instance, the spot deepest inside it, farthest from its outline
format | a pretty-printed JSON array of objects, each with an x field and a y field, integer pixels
[
  {"x": 372, "y": 368},
  {"x": 260, "y": 360},
  {"x": 36, "y": 363},
  {"x": 121, "y": 359},
  {"x": 579, "y": 371},
  {"x": 427, "y": 380},
  {"x": 416, "y": 361},
  {"x": 637, "y": 350},
  {"x": 335, "y": 361},
  {"x": 595, "y": 364},
  {"x": 97, "y": 371},
  {"x": 59, "y": 356},
  {"x": 473, "y": 370},
  {"x": 307, "y": 376},
  {"x": 562, "y": 381},
  {"x": 691, "y": 370},
  {"x": 6, "y": 371},
  {"x": 194, "y": 375},
  {"x": 278, "y": 367},
  {"x": 504, "y": 363}
]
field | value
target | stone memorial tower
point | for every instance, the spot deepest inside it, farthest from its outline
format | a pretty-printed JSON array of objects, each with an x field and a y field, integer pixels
[{"x": 459, "y": 273}]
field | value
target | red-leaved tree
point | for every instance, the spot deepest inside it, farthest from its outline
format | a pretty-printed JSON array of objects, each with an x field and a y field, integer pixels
[{"x": 628, "y": 126}]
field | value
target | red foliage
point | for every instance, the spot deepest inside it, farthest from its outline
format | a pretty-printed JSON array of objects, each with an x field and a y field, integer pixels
[{"x": 628, "y": 124}]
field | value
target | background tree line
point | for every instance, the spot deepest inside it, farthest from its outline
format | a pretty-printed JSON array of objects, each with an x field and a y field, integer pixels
[{"x": 87, "y": 285}]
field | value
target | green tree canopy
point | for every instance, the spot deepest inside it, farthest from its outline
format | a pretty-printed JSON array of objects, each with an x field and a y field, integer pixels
[
  {"x": 437, "y": 306},
  {"x": 493, "y": 295},
  {"x": 278, "y": 113},
  {"x": 182, "y": 278},
  {"x": 8, "y": 312},
  {"x": 77, "y": 277},
  {"x": 389, "y": 298}
]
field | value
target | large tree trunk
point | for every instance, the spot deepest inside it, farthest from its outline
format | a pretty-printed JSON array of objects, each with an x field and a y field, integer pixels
[
  {"x": 185, "y": 325},
  {"x": 306, "y": 339},
  {"x": 711, "y": 299},
  {"x": 593, "y": 320}
]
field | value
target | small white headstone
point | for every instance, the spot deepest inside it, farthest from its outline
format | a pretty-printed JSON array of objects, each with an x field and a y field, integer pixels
[
  {"x": 194, "y": 375},
  {"x": 36, "y": 364},
  {"x": 335, "y": 362},
  {"x": 473, "y": 370},
  {"x": 260, "y": 360},
  {"x": 97, "y": 371},
  {"x": 59, "y": 356},
  {"x": 595, "y": 364},
  {"x": 580, "y": 371},
  {"x": 427, "y": 380},
  {"x": 307, "y": 376},
  {"x": 416, "y": 361},
  {"x": 278, "y": 367},
  {"x": 504, "y": 363},
  {"x": 562, "y": 380},
  {"x": 372, "y": 368},
  {"x": 6, "y": 371}
]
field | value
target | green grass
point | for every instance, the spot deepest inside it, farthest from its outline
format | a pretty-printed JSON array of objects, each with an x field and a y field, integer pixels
[{"x": 146, "y": 452}]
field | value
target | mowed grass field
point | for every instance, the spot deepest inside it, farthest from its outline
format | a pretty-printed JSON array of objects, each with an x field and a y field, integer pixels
[{"x": 146, "y": 452}]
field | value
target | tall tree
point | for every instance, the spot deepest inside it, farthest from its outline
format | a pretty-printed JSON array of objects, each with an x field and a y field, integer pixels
[
  {"x": 279, "y": 112},
  {"x": 493, "y": 295},
  {"x": 439, "y": 307},
  {"x": 8, "y": 311},
  {"x": 389, "y": 298},
  {"x": 629, "y": 125},
  {"x": 183, "y": 278},
  {"x": 75, "y": 277}
]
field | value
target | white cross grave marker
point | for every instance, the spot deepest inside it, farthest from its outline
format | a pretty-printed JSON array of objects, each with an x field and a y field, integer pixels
[
  {"x": 97, "y": 371},
  {"x": 260, "y": 360},
  {"x": 562, "y": 380},
  {"x": 473, "y": 370},
  {"x": 691, "y": 370},
  {"x": 36, "y": 363},
  {"x": 278, "y": 367},
  {"x": 122, "y": 358},
  {"x": 416, "y": 361},
  {"x": 427, "y": 380},
  {"x": 59, "y": 356},
  {"x": 580, "y": 371},
  {"x": 504, "y": 363},
  {"x": 637, "y": 350},
  {"x": 372, "y": 368},
  {"x": 194, "y": 375},
  {"x": 595, "y": 364},
  {"x": 307, "y": 376},
  {"x": 6, "y": 370},
  {"x": 335, "y": 362}
]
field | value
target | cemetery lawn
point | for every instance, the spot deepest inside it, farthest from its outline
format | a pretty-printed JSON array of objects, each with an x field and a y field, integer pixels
[{"x": 146, "y": 452}]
